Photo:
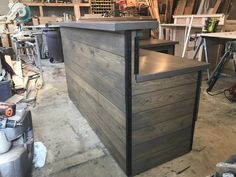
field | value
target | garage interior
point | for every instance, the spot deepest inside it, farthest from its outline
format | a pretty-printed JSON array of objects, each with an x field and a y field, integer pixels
[{"x": 104, "y": 88}]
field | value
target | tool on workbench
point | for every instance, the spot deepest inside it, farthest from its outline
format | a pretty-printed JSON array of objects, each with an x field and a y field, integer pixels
[
  {"x": 16, "y": 141},
  {"x": 211, "y": 25},
  {"x": 7, "y": 109},
  {"x": 230, "y": 50}
]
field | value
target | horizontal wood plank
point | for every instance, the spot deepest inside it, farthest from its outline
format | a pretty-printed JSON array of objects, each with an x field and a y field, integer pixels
[
  {"x": 161, "y": 143},
  {"x": 117, "y": 114},
  {"x": 157, "y": 115},
  {"x": 103, "y": 128},
  {"x": 107, "y": 66},
  {"x": 160, "y": 84},
  {"x": 164, "y": 97},
  {"x": 109, "y": 87},
  {"x": 161, "y": 157},
  {"x": 152, "y": 132},
  {"x": 108, "y": 41}
]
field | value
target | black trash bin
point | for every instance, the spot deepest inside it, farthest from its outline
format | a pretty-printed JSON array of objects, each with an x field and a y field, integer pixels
[{"x": 54, "y": 44}]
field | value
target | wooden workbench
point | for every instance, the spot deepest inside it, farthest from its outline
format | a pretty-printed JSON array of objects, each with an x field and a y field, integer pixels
[
  {"x": 142, "y": 104},
  {"x": 215, "y": 43}
]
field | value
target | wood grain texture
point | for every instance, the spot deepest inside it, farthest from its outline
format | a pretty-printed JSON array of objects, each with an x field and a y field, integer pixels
[
  {"x": 162, "y": 121},
  {"x": 162, "y": 150},
  {"x": 224, "y": 7},
  {"x": 201, "y": 6},
  {"x": 117, "y": 114},
  {"x": 189, "y": 7},
  {"x": 107, "y": 41},
  {"x": 155, "y": 131},
  {"x": 161, "y": 84},
  {"x": 158, "y": 115},
  {"x": 215, "y": 7},
  {"x": 159, "y": 144},
  {"x": 162, "y": 110},
  {"x": 95, "y": 72},
  {"x": 232, "y": 14},
  {"x": 164, "y": 97},
  {"x": 180, "y": 7},
  {"x": 104, "y": 126},
  {"x": 102, "y": 70}
]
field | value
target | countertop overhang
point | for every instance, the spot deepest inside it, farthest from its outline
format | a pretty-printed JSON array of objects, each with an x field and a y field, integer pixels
[
  {"x": 155, "y": 65},
  {"x": 111, "y": 25}
]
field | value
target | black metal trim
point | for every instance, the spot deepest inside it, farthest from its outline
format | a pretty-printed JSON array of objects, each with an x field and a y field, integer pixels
[
  {"x": 136, "y": 55},
  {"x": 196, "y": 105},
  {"x": 128, "y": 100}
]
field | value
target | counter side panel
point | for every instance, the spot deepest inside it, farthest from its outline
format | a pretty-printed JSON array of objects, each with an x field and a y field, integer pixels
[
  {"x": 162, "y": 120},
  {"x": 95, "y": 70}
]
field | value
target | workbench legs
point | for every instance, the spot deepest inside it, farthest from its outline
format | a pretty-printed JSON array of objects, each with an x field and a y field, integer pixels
[{"x": 204, "y": 44}]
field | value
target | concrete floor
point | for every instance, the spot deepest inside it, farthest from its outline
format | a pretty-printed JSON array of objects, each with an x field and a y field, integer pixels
[{"x": 75, "y": 151}]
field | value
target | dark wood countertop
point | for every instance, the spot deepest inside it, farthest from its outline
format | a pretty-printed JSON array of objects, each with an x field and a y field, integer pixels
[
  {"x": 155, "y": 65},
  {"x": 156, "y": 42}
]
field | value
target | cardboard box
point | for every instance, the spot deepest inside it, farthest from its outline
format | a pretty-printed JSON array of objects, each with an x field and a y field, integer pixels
[{"x": 48, "y": 20}]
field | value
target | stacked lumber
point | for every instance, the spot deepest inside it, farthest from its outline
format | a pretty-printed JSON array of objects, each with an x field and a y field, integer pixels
[
  {"x": 187, "y": 7},
  {"x": 164, "y": 9}
]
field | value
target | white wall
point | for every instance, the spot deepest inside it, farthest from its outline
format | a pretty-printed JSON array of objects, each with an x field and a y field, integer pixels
[{"x": 4, "y": 7}]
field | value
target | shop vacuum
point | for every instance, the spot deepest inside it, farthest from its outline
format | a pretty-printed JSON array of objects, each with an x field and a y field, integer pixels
[{"x": 16, "y": 140}]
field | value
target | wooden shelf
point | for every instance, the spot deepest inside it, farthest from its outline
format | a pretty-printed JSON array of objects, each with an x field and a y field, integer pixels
[
  {"x": 50, "y": 4},
  {"x": 76, "y": 6},
  {"x": 84, "y": 4},
  {"x": 57, "y": 4}
]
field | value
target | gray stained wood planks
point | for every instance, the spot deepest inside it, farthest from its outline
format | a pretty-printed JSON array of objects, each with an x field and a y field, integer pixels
[
  {"x": 103, "y": 127},
  {"x": 106, "y": 74},
  {"x": 155, "y": 131},
  {"x": 95, "y": 77},
  {"x": 164, "y": 97},
  {"x": 161, "y": 84},
  {"x": 161, "y": 143},
  {"x": 162, "y": 122},
  {"x": 161, "y": 150},
  {"x": 162, "y": 110},
  {"x": 166, "y": 113},
  {"x": 107, "y": 41}
]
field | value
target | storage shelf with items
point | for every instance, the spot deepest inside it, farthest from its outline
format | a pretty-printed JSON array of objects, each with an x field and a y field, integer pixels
[
  {"x": 101, "y": 6},
  {"x": 75, "y": 8}
]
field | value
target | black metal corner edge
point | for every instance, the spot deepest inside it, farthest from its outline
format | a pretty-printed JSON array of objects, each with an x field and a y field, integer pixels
[
  {"x": 128, "y": 100},
  {"x": 136, "y": 55},
  {"x": 196, "y": 105}
]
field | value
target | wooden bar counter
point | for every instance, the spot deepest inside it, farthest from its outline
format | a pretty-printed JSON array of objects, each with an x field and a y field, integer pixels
[{"x": 142, "y": 104}]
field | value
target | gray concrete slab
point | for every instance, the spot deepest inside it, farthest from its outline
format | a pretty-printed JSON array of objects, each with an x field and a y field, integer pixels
[{"x": 74, "y": 150}]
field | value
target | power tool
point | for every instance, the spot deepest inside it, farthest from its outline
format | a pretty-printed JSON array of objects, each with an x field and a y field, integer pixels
[
  {"x": 227, "y": 168},
  {"x": 7, "y": 109},
  {"x": 211, "y": 25},
  {"x": 16, "y": 141},
  {"x": 6, "y": 123}
]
